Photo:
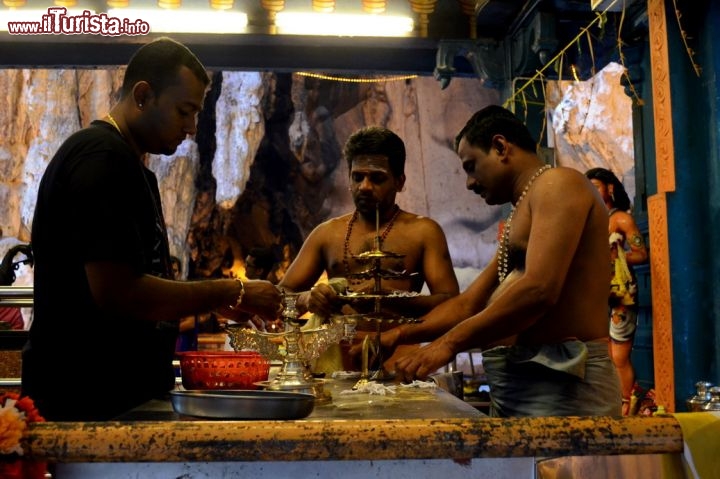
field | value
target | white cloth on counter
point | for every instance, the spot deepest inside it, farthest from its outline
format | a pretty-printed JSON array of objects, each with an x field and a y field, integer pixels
[{"x": 374, "y": 387}]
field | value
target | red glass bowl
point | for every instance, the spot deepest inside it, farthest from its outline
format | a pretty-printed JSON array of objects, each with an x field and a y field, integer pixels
[{"x": 222, "y": 369}]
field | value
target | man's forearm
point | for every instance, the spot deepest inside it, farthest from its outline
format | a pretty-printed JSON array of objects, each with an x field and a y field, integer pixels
[
  {"x": 415, "y": 307},
  {"x": 434, "y": 324}
]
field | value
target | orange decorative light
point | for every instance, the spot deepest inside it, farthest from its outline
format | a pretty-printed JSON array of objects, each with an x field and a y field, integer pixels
[
  {"x": 423, "y": 8},
  {"x": 374, "y": 6},
  {"x": 273, "y": 7},
  {"x": 468, "y": 9},
  {"x": 65, "y": 3},
  {"x": 373, "y": 79},
  {"x": 323, "y": 6},
  {"x": 14, "y": 3},
  {"x": 118, "y": 3},
  {"x": 169, "y": 4},
  {"x": 222, "y": 4}
]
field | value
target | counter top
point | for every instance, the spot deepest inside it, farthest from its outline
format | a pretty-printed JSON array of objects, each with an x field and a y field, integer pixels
[
  {"x": 160, "y": 441},
  {"x": 369, "y": 428},
  {"x": 401, "y": 402}
]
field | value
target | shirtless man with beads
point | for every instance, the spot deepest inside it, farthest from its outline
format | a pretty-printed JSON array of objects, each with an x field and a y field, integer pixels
[
  {"x": 376, "y": 161},
  {"x": 538, "y": 310}
]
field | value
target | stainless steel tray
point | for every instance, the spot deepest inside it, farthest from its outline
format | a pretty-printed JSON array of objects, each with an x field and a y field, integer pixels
[{"x": 243, "y": 404}]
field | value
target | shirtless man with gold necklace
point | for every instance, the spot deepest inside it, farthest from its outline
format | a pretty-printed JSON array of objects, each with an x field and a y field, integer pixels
[
  {"x": 376, "y": 158},
  {"x": 538, "y": 310}
]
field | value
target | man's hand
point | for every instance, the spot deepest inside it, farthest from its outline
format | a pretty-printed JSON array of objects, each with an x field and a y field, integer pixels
[
  {"x": 321, "y": 300},
  {"x": 260, "y": 298},
  {"x": 423, "y": 362},
  {"x": 389, "y": 340}
]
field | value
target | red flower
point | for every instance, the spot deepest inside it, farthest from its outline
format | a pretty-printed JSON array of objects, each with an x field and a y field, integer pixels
[{"x": 27, "y": 405}]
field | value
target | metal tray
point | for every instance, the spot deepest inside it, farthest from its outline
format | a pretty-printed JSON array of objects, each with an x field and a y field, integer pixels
[{"x": 242, "y": 404}]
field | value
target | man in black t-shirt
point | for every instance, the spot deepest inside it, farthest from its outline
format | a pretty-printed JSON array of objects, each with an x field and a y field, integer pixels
[{"x": 106, "y": 308}]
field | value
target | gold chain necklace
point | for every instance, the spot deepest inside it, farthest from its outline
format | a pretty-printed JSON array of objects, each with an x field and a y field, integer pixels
[
  {"x": 114, "y": 123},
  {"x": 348, "y": 232},
  {"x": 504, "y": 246}
]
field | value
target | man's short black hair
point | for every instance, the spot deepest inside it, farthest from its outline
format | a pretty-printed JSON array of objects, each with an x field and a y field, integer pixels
[
  {"x": 158, "y": 63},
  {"x": 495, "y": 120},
  {"x": 376, "y": 140}
]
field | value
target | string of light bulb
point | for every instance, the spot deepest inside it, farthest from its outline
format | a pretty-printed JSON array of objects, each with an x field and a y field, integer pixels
[{"x": 384, "y": 79}]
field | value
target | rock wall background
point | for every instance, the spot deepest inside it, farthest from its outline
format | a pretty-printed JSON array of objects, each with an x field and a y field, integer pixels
[
  {"x": 265, "y": 167},
  {"x": 591, "y": 124}
]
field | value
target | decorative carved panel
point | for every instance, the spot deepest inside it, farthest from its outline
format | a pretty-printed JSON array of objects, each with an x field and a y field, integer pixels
[
  {"x": 657, "y": 207},
  {"x": 661, "y": 301},
  {"x": 662, "y": 107}
]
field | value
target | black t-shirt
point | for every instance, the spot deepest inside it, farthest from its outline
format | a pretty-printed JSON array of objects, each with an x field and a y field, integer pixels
[{"x": 96, "y": 202}]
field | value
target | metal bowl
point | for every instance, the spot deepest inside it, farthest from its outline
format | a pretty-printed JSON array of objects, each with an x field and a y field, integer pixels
[{"x": 243, "y": 404}]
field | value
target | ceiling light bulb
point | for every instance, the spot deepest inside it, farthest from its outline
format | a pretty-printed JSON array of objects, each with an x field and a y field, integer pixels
[
  {"x": 169, "y": 4},
  {"x": 222, "y": 4},
  {"x": 323, "y": 6},
  {"x": 423, "y": 8},
  {"x": 14, "y": 3},
  {"x": 65, "y": 3},
  {"x": 468, "y": 9},
  {"x": 374, "y": 6},
  {"x": 346, "y": 25},
  {"x": 185, "y": 20},
  {"x": 272, "y": 7},
  {"x": 118, "y": 3}
]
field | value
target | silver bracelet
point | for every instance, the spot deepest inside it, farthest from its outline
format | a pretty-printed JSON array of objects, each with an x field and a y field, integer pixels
[{"x": 240, "y": 295}]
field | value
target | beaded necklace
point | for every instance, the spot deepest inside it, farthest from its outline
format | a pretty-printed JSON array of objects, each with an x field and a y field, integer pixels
[
  {"x": 504, "y": 246},
  {"x": 348, "y": 232}
]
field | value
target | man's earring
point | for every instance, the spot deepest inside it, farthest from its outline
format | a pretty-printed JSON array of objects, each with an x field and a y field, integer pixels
[{"x": 140, "y": 105}]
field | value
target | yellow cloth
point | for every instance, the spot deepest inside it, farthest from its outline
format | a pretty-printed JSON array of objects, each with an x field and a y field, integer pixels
[{"x": 701, "y": 437}]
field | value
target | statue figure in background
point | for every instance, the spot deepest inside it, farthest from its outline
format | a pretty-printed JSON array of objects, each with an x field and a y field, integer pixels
[
  {"x": 627, "y": 249},
  {"x": 11, "y": 317}
]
